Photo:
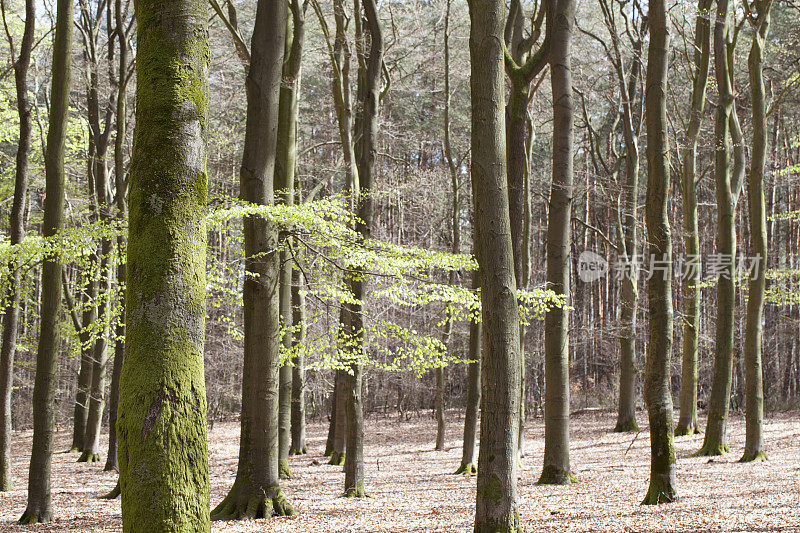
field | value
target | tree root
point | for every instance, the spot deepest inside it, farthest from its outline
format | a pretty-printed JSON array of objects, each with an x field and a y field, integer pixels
[
  {"x": 757, "y": 457},
  {"x": 89, "y": 457},
  {"x": 283, "y": 469},
  {"x": 337, "y": 459},
  {"x": 35, "y": 517},
  {"x": 113, "y": 495},
  {"x": 555, "y": 476},
  {"x": 712, "y": 450},
  {"x": 301, "y": 451},
  {"x": 660, "y": 491},
  {"x": 681, "y": 430},
  {"x": 74, "y": 449},
  {"x": 356, "y": 491},
  {"x": 240, "y": 506},
  {"x": 626, "y": 426},
  {"x": 467, "y": 469}
]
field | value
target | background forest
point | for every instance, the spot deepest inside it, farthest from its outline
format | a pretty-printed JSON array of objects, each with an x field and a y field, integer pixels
[{"x": 419, "y": 335}]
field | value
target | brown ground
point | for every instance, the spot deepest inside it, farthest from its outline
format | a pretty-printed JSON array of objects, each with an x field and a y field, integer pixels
[{"x": 412, "y": 489}]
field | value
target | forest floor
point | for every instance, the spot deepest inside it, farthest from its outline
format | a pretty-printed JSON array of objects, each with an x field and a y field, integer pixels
[{"x": 412, "y": 488}]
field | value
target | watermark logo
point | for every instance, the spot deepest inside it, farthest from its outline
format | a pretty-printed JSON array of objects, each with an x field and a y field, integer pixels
[{"x": 591, "y": 266}]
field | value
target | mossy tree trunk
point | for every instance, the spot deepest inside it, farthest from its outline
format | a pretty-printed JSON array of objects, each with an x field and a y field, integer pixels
[
  {"x": 39, "y": 507},
  {"x": 285, "y": 165},
  {"x": 687, "y": 420},
  {"x": 659, "y": 348},
  {"x": 468, "y": 466},
  {"x": 497, "y": 508},
  {"x": 556, "y": 469},
  {"x": 16, "y": 236},
  {"x": 256, "y": 492},
  {"x": 754, "y": 445},
  {"x": 161, "y": 424},
  {"x": 727, "y": 189}
]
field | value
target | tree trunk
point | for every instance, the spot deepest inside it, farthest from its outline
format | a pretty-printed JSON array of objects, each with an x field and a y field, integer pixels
[
  {"x": 80, "y": 415},
  {"x": 715, "y": 442},
  {"x": 497, "y": 508},
  {"x": 687, "y": 421},
  {"x": 659, "y": 347},
  {"x": 16, "y": 236},
  {"x": 467, "y": 466},
  {"x": 754, "y": 445},
  {"x": 556, "y": 468},
  {"x": 161, "y": 425},
  {"x": 39, "y": 501},
  {"x": 298, "y": 446},
  {"x": 256, "y": 492},
  {"x": 339, "y": 419}
]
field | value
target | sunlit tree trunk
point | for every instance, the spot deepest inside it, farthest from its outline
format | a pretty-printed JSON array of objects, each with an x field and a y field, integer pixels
[
  {"x": 256, "y": 492},
  {"x": 556, "y": 468},
  {"x": 16, "y": 235},
  {"x": 687, "y": 420},
  {"x": 497, "y": 508},
  {"x": 161, "y": 424},
  {"x": 468, "y": 466},
  {"x": 39, "y": 500}
]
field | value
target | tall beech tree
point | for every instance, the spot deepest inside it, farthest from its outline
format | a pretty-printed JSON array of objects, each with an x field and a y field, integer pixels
[
  {"x": 161, "y": 425},
  {"x": 657, "y": 392},
  {"x": 497, "y": 508},
  {"x": 285, "y": 165},
  {"x": 728, "y": 183},
  {"x": 39, "y": 508},
  {"x": 759, "y": 17},
  {"x": 556, "y": 469},
  {"x": 256, "y": 492},
  {"x": 687, "y": 420},
  {"x": 21, "y": 65}
]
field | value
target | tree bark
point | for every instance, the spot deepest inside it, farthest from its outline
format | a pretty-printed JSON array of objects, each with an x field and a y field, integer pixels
[
  {"x": 715, "y": 441},
  {"x": 39, "y": 507},
  {"x": 687, "y": 420},
  {"x": 754, "y": 445},
  {"x": 80, "y": 414},
  {"x": 659, "y": 347},
  {"x": 497, "y": 508},
  {"x": 468, "y": 466},
  {"x": 556, "y": 468},
  {"x": 298, "y": 446},
  {"x": 16, "y": 236},
  {"x": 256, "y": 492},
  {"x": 161, "y": 425}
]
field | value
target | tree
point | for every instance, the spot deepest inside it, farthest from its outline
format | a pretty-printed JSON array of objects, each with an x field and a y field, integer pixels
[
  {"x": 285, "y": 166},
  {"x": 556, "y": 468},
  {"x": 161, "y": 425},
  {"x": 687, "y": 420},
  {"x": 657, "y": 377},
  {"x": 256, "y": 492},
  {"x": 497, "y": 509},
  {"x": 298, "y": 445},
  {"x": 467, "y": 466},
  {"x": 39, "y": 500},
  {"x": 754, "y": 446},
  {"x": 17, "y": 233},
  {"x": 728, "y": 185}
]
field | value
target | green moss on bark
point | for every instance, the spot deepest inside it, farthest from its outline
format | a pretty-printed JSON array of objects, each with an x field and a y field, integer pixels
[
  {"x": 758, "y": 457},
  {"x": 556, "y": 476},
  {"x": 682, "y": 430},
  {"x": 466, "y": 469},
  {"x": 242, "y": 503},
  {"x": 337, "y": 459},
  {"x": 301, "y": 451},
  {"x": 284, "y": 472},
  {"x": 89, "y": 457},
  {"x": 626, "y": 426},
  {"x": 356, "y": 491},
  {"x": 712, "y": 449},
  {"x": 661, "y": 490}
]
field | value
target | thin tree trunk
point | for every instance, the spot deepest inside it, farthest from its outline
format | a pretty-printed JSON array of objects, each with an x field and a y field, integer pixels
[
  {"x": 497, "y": 507},
  {"x": 16, "y": 236},
  {"x": 339, "y": 418},
  {"x": 298, "y": 446},
  {"x": 687, "y": 420},
  {"x": 161, "y": 425},
  {"x": 754, "y": 445},
  {"x": 39, "y": 507},
  {"x": 468, "y": 466},
  {"x": 715, "y": 442},
  {"x": 256, "y": 492},
  {"x": 556, "y": 468},
  {"x": 80, "y": 414},
  {"x": 659, "y": 347}
]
